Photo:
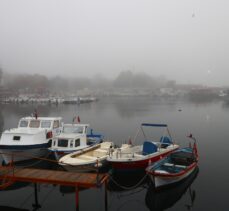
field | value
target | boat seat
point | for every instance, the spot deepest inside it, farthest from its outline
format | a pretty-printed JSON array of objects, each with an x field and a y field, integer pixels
[
  {"x": 101, "y": 150},
  {"x": 149, "y": 148},
  {"x": 161, "y": 171},
  {"x": 138, "y": 155},
  {"x": 87, "y": 157},
  {"x": 171, "y": 164},
  {"x": 168, "y": 164}
]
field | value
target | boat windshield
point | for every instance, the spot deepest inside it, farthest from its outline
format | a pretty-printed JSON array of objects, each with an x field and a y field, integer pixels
[
  {"x": 34, "y": 124},
  {"x": 73, "y": 129},
  {"x": 45, "y": 124},
  {"x": 23, "y": 123}
]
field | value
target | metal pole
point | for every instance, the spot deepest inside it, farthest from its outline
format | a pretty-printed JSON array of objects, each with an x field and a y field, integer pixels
[{"x": 77, "y": 198}]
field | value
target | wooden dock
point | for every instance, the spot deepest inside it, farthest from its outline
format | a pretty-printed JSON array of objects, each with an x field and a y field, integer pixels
[{"x": 10, "y": 175}]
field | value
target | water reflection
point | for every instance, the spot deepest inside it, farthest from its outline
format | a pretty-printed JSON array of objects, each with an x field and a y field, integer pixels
[
  {"x": 15, "y": 186},
  {"x": 6, "y": 208},
  {"x": 69, "y": 189},
  {"x": 166, "y": 198},
  {"x": 120, "y": 182}
]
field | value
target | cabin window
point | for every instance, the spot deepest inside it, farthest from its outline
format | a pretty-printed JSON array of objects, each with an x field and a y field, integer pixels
[
  {"x": 34, "y": 124},
  {"x": 16, "y": 138},
  {"x": 45, "y": 124},
  {"x": 54, "y": 143},
  {"x": 56, "y": 124},
  {"x": 77, "y": 142},
  {"x": 23, "y": 123},
  {"x": 62, "y": 142},
  {"x": 73, "y": 129}
]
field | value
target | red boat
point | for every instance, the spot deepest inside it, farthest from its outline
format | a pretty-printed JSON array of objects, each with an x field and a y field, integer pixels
[{"x": 140, "y": 156}]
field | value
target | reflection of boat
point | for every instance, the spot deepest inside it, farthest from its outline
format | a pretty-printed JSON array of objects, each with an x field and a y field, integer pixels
[
  {"x": 88, "y": 159},
  {"x": 175, "y": 167},
  {"x": 31, "y": 138},
  {"x": 166, "y": 198},
  {"x": 73, "y": 137},
  {"x": 121, "y": 181},
  {"x": 138, "y": 157}
]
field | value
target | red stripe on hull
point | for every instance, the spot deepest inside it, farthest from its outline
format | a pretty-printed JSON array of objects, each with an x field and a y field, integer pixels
[
  {"x": 138, "y": 164},
  {"x": 173, "y": 175}
]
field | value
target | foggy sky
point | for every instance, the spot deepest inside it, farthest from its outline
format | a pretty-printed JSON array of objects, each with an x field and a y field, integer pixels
[{"x": 185, "y": 40}]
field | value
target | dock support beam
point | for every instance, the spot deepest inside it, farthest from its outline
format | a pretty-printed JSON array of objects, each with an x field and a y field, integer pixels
[
  {"x": 36, "y": 205},
  {"x": 77, "y": 198}
]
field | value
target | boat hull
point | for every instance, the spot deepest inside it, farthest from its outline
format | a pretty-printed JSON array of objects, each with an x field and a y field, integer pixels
[
  {"x": 23, "y": 154},
  {"x": 167, "y": 180},
  {"x": 137, "y": 164},
  {"x": 59, "y": 154},
  {"x": 91, "y": 167}
]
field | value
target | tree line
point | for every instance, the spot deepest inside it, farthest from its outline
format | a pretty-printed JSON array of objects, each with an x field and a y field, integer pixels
[{"x": 32, "y": 83}]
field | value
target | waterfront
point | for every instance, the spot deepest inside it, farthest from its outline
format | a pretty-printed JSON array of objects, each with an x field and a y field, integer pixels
[{"x": 119, "y": 118}]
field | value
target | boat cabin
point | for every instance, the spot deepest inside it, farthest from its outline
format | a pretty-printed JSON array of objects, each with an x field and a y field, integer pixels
[
  {"x": 40, "y": 122},
  {"x": 72, "y": 136}
]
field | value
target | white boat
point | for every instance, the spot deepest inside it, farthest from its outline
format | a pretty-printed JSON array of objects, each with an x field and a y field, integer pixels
[
  {"x": 138, "y": 157},
  {"x": 89, "y": 159},
  {"x": 73, "y": 137},
  {"x": 30, "y": 139}
]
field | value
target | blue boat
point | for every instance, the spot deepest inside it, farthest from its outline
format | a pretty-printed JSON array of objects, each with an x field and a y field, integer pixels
[{"x": 175, "y": 167}]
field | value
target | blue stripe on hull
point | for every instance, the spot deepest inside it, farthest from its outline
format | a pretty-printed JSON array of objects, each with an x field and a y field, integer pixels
[{"x": 24, "y": 147}]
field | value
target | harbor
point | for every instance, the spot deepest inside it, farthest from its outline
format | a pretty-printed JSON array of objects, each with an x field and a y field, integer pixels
[{"x": 121, "y": 187}]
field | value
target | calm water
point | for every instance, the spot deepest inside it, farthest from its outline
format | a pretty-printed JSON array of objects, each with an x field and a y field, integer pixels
[{"x": 119, "y": 119}]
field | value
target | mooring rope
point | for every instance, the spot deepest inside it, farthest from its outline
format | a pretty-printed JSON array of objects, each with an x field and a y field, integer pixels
[
  {"x": 36, "y": 162},
  {"x": 129, "y": 187}
]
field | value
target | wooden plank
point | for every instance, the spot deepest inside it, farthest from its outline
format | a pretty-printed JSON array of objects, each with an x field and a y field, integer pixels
[{"x": 57, "y": 177}]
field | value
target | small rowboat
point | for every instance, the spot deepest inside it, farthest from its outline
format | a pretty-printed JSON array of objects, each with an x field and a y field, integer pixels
[{"x": 175, "y": 167}]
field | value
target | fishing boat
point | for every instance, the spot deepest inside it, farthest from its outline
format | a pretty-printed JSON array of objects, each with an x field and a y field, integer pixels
[
  {"x": 166, "y": 198},
  {"x": 175, "y": 167},
  {"x": 89, "y": 159},
  {"x": 30, "y": 139},
  {"x": 74, "y": 137},
  {"x": 138, "y": 157}
]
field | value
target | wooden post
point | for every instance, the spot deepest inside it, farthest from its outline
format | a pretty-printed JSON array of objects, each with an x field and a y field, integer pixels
[
  {"x": 106, "y": 207},
  {"x": 36, "y": 205},
  {"x": 77, "y": 198}
]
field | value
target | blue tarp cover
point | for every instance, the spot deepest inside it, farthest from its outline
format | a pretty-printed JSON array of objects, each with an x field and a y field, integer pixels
[{"x": 148, "y": 148}]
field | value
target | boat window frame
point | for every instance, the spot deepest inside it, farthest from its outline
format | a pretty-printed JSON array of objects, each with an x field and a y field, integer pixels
[
  {"x": 77, "y": 144},
  {"x": 62, "y": 140},
  {"x": 56, "y": 124},
  {"x": 74, "y": 129},
  {"x": 22, "y": 122},
  {"x": 33, "y": 121},
  {"x": 71, "y": 143},
  {"x": 45, "y": 122}
]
